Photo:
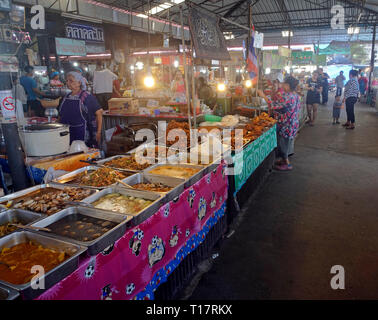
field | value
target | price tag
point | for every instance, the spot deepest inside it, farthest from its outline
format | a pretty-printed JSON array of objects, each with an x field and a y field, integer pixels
[{"x": 8, "y": 106}]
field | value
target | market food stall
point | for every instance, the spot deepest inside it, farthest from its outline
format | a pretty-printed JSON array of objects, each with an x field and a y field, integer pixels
[{"x": 129, "y": 225}]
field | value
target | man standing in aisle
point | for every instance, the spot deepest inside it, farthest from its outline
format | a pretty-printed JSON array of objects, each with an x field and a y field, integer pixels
[
  {"x": 324, "y": 78},
  {"x": 35, "y": 107},
  {"x": 103, "y": 85},
  {"x": 340, "y": 83}
]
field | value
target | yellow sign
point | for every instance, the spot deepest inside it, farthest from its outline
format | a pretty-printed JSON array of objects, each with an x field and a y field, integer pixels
[{"x": 284, "y": 52}]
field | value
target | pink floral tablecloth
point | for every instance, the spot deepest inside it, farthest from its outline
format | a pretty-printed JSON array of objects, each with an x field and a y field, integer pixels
[{"x": 145, "y": 256}]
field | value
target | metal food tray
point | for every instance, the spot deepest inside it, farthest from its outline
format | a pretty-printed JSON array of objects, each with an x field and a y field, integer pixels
[
  {"x": 65, "y": 179},
  {"x": 103, "y": 161},
  {"x": 188, "y": 182},
  {"x": 24, "y": 217},
  {"x": 142, "y": 215},
  {"x": 7, "y": 293},
  {"x": 177, "y": 184},
  {"x": 97, "y": 245},
  {"x": 27, "y": 192},
  {"x": 54, "y": 275}
]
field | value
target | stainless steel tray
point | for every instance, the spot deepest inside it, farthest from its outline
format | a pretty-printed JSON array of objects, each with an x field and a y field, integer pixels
[
  {"x": 140, "y": 216},
  {"x": 7, "y": 293},
  {"x": 176, "y": 183},
  {"x": 102, "y": 162},
  {"x": 27, "y": 192},
  {"x": 51, "y": 277},
  {"x": 65, "y": 179},
  {"x": 24, "y": 217},
  {"x": 188, "y": 182},
  {"x": 97, "y": 245}
]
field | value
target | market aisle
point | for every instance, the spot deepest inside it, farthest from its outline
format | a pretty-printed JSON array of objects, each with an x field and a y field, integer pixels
[{"x": 324, "y": 213}]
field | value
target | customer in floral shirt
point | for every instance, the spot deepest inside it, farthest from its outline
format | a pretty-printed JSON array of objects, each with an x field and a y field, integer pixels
[{"x": 286, "y": 109}]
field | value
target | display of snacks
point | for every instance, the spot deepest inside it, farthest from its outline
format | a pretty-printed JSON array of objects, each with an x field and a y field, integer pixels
[
  {"x": 254, "y": 129},
  {"x": 127, "y": 163},
  {"x": 81, "y": 228},
  {"x": 102, "y": 177},
  {"x": 122, "y": 203},
  {"x": 179, "y": 143},
  {"x": 174, "y": 171},
  {"x": 154, "y": 187},
  {"x": 18, "y": 260},
  {"x": 49, "y": 200}
]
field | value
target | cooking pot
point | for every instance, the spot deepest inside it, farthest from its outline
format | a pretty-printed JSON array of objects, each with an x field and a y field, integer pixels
[{"x": 41, "y": 140}]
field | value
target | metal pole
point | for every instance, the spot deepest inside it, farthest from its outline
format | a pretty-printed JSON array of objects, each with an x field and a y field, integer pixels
[
  {"x": 194, "y": 100},
  {"x": 13, "y": 144},
  {"x": 372, "y": 61},
  {"x": 185, "y": 67}
]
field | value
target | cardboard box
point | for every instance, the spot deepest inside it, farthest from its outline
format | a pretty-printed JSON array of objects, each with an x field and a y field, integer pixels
[{"x": 123, "y": 106}]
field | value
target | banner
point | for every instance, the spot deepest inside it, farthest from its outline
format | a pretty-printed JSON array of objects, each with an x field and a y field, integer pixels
[
  {"x": 252, "y": 63},
  {"x": 302, "y": 57},
  {"x": 253, "y": 155},
  {"x": 85, "y": 32},
  {"x": 284, "y": 52},
  {"x": 69, "y": 47},
  {"x": 208, "y": 39}
]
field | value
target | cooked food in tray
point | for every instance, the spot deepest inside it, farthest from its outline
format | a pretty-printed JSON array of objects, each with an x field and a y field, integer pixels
[
  {"x": 127, "y": 163},
  {"x": 122, "y": 203},
  {"x": 81, "y": 227},
  {"x": 174, "y": 171},
  {"x": 99, "y": 178},
  {"x": 49, "y": 200},
  {"x": 155, "y": 187},
  {"x": 18, "y": 260},
  {"x": 7, "y": 228}
]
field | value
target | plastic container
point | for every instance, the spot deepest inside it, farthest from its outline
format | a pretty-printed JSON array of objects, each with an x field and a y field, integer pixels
[{"x": 212, "y": 118}]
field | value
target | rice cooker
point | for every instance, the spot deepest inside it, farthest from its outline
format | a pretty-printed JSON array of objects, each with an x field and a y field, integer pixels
[{"x": 41, "y": 140}]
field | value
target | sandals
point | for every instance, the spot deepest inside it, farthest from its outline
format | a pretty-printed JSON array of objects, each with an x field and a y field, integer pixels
[
  {"x": 284, "y": 167},
  {"x": 350, "y": 127},
  {"x": 346, "y": 124}
]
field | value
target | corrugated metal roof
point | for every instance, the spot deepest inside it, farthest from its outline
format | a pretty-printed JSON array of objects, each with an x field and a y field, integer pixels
[{"x": 270, "y": 16}]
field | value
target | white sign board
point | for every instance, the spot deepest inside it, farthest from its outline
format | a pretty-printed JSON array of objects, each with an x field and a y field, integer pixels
[
  {"x": 259, "y": 40},
  {"x": 8, "y": 106}
]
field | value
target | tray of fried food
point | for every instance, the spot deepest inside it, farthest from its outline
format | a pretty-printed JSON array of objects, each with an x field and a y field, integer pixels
[{"x": 46, "y": 198}]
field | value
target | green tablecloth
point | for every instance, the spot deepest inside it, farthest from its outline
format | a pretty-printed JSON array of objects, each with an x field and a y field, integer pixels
[{"x": 247, "y": 161}]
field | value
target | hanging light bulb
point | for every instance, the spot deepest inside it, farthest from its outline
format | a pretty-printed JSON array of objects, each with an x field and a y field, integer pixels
[
  {"x": 248, "y": 83},
  {"x": 149, "y": 80},
  {"x": 221, "y": 87}
]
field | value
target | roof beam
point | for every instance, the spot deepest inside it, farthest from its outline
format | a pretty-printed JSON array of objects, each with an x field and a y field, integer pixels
[{"x": 234, "y": 8}]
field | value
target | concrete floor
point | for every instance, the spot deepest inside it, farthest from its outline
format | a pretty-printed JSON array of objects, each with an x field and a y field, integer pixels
[{"x": 323, "y": 213}]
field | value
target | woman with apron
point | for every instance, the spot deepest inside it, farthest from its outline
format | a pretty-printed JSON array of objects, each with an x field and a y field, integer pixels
[{"x": 81, "y": 111}]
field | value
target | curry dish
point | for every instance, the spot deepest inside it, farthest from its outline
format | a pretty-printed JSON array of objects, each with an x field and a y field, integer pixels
[
  {"x": 174, "y": 171},
  {"x": 122, "y": 204},
  {"x": 18, "y": 260},
  {"x": 155, "y": 187}
]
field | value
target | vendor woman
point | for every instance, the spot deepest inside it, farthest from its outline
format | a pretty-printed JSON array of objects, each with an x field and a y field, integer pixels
[
  {"x": 81, "y": 111},
  {"x": 55, "y": 82},
  {"x": 178, "y": 87}
]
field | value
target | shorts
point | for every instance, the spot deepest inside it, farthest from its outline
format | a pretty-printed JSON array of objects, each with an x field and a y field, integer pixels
[
  {"x": 103, "y": 99},
  {"x": 285, "y": 146},
  {"x": 336, "y": 113},
  {"x": 36, "y": 107}
]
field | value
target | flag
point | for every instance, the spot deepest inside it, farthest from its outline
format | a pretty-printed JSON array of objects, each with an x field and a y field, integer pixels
[{"x": 252, "y": 66}]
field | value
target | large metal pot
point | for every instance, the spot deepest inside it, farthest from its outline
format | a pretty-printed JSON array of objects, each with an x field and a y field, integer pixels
[{"x": 40, "y": 140}]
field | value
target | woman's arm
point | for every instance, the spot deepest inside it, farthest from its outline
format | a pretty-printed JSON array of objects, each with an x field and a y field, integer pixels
[{"x": 99, "y": 125}]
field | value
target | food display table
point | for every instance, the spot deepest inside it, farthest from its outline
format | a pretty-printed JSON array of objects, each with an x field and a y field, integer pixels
[
  {"x": 39, "y": 167},
  {"x": 250, "y": 166},
  {"x": 111, "y": 120},
  {"x": 144, "y": 258}
]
